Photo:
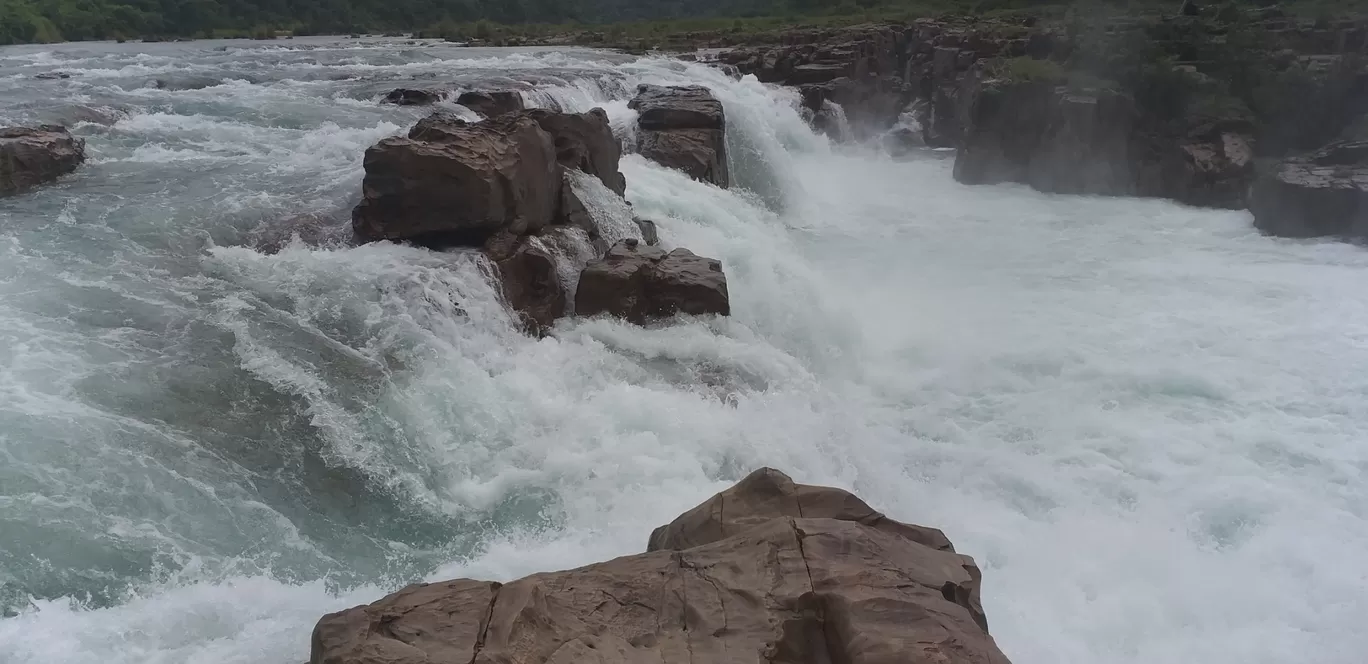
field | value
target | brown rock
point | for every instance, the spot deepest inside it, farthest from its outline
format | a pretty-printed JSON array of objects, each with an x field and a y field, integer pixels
[
  {"x": 460, "y": 184},
  {"x": 529, "y": 281},
  {"x": 769, "y": 494},
  {"x": 638, "y": 283},
  {"x": 787, "y": 590},
  {"x": 699, "y": 153},
  {"x": 680, "y": 107},
  {"x": 585, "y": 141},
  {"x": 492, "y": 103},
  {"x": 33, "y": 156},
  {"x": 683, "y": 128}
]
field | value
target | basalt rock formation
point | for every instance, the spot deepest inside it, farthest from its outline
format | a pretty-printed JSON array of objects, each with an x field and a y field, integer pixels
[{"x": 768, "y": 571}]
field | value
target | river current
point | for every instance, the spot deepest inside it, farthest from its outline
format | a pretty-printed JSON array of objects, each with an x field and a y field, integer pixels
[{"x": 1148, "y": 423}]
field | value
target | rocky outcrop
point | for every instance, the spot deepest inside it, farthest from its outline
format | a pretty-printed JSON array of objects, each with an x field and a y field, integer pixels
[
  {"x": 640, "y": 283},
  {"x": 492, "y": 103},
  {"x": 1321, "y": 194},
  {"x": 1065, "y": 139},
  {"x": 31, "y": 156},
  {"x": 683, "y": 128},
  {"x": 450, "y": 182},
  {"x": 782, "y": 587}
]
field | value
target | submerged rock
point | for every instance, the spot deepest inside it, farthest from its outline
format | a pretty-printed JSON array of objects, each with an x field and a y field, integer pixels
[
  {"x": 31, "y": 156},
  {"x": 774, "y": 585},
  {"x": 412, "y": 97},
  {"x": 683, "y": 128},
  {"x": 492, "y": 103},
  {"x": 1324, "y": 193},
  {"x": 639, "y": 283}
]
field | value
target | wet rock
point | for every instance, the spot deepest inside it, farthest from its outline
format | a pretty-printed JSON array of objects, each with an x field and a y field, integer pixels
[
  {"x": 585, "y": 141},
  {"x": 450, "y": 183},
  {"x": 492, "y": 103},
  {"x": 1101, "y": 141},
  {"x": 679, "y": 107},
  {"x": 529, "y": 281},
  {"x": 683, "y": 128},
  {"x": 310, "y": 229},
  {"x": 412, "y": 97},
  {"x": 639, "y": 283},
  {"x": 1324, "y": 193},
  {"x": 649, "y": 234},
  {"x": 31, "y": 156},
  {"x": 780, "y": 586}
]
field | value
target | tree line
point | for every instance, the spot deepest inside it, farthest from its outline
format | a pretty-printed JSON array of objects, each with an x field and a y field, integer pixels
[{"x": 27, "y": 21}]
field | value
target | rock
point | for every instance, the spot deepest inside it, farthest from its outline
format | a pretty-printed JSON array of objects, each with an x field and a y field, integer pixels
[
  {"x": 33, "y": 156},
  {"x": 1324, "y": 193},
  {"x": 492, "y": 103},
  {"x": 681, "y": 107},
  {"x": 585, "y": 141},
  {"x": 817, "y": 73},
  {"x": 451, "y": 183},
  {"x": 683, "y": 128},
  {"x": 769, "y": 494},
  {"x": 409, "y": 97},
  {"x": 640, "y": 283},
  {"x": 787, "y": 589},
  {"x": 312, "y": 229},
  {"x": 649, "y": 234},
  {"x": 1103, "y": 142},
  {"x": 528, "y": 280}
]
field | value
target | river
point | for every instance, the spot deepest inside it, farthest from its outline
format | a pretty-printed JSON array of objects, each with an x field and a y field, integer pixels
[{"x": 1148, "y": 423}]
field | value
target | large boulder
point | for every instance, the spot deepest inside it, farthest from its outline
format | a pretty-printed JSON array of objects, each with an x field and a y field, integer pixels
[
  {"x": 683, "y": 128},
  {"x": 30, "y": 156},
  {"x": 458, "y": 183},
  {"x": 1321, "y": 194},
  {"x": 639, "y": 283},
  {"x": 787, "y": 589}
]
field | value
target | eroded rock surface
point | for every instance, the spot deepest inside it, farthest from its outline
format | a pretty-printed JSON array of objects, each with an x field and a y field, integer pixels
[{"x": 785, "y": 589}]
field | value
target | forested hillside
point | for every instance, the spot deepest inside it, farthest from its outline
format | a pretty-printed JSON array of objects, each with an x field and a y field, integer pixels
[{"x": 57, "y": 20}]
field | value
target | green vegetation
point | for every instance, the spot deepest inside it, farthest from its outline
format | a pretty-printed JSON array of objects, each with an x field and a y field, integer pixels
[{"x": 23, "y": 21}]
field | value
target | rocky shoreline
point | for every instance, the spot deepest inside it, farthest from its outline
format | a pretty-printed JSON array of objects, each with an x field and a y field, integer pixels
[
  {"x": 768, "y": 570},
  {"x": 1215, "y": 109}
]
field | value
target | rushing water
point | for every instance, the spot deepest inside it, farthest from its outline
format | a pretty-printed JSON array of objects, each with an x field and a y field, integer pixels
[{"x": 1148, "y": 423}]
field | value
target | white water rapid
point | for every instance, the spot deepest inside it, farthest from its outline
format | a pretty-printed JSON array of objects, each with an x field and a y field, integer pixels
[{"x": 1148, "y": 423}]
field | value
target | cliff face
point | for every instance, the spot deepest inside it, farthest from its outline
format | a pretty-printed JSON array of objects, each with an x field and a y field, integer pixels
[
  {"x": 1177, "y": 107},
  {"x": 768, "y": 570}
]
